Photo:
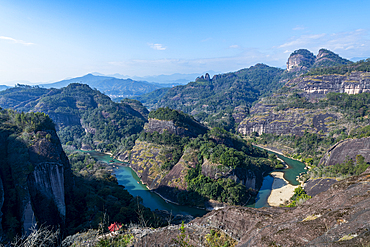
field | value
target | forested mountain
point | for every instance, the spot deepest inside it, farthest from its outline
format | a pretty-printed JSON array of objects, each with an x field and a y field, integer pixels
[
  {"x": 188, "y": 162},
  {"x": 21, "y": 97},
  {"x": 85, "y": 117},
  {"x": 214, "y": 100},
  {"x": 111, "y": 86}
]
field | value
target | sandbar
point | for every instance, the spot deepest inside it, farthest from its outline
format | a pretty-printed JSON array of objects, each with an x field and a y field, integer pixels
[{"x": 281, "y": 191}]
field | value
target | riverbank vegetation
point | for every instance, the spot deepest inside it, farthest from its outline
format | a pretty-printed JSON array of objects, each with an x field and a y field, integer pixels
[
  {"x": 298, "y": 198},
  {"x": 97, "y": 197},
  {"x": 339, "y": 171}
]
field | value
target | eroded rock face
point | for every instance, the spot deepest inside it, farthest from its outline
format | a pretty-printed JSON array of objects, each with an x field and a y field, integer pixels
[
  {"x": 319, "y": 86},
  {"x": 300, "y": 60},
  {"x": 167, "y": 125},
  {"x": 39, "y": 171},
  {"x": 266, "y": 118},
  {"x": 347, "y": 149},
  {"x": 291, "y": 121}
]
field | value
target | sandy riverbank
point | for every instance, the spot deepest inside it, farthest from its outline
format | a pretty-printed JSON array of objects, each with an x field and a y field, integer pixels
[
  {"x": 269, "y": 149},
  {"x": 281, "y": 190}
]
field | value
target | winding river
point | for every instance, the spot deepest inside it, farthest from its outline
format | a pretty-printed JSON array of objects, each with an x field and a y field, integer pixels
[{"x": 128, "y": 178}]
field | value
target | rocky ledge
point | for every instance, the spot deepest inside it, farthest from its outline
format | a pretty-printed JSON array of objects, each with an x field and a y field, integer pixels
[
  {"x": 338, "y": 217},
  {"x": 347, "y": 149}
]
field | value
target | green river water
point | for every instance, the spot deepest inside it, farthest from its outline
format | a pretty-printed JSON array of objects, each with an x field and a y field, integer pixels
[{"x": 128, "y": 178}]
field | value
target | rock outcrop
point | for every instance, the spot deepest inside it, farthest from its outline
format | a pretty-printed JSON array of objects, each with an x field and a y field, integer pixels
[
  {"x": 326, "y": 58},
  {"x": 168, "y": 125},
  {"x": 301, "y": 59},
  {"x": 206, "y": 77},
  {"x": 347, "y": 149},
  {"x": 291, "y": 121},
  {"x": 338, "y": 217}
]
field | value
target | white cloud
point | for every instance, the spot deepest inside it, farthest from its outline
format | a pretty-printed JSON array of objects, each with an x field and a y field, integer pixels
[
  {"x": 234, "y": 46},
  {"x": 16, "y": 41},
  {"x": 298, "y": 28},
  {"x": 158, "y": 47},
  {"x": 244, "y": 59},
  {"x": 302, "y": 40},
  {"x": 346, "y": 44}
]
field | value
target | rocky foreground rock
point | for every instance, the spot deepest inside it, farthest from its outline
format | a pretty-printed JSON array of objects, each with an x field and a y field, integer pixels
[{"x": 338, "y": 217}]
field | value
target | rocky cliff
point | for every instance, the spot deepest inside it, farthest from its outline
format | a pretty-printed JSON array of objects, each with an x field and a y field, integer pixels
[
  {"x": 34, "y": 171},
  {"x": 347, "y": 149},
  {"x": 291, "y": 121},
  {"x": 275, "y": 115},
  {"x": 320, "y": 85},
  {"x": 300, "y": 60}
]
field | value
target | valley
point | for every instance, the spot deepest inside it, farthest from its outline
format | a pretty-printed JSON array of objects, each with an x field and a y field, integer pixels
[{"x": 196, "y": 147}]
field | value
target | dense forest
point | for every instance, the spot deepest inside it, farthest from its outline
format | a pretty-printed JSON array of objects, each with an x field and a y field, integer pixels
[
  {"x": 83, "y": 116},
  {"x": 213, "y": 100},
  {"x": 363, "y": 65}
]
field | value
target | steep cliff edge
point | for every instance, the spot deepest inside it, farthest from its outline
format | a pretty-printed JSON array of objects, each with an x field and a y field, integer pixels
[
  {"x": 35, "y": 172},
  {"x": 337, "y": 217}
]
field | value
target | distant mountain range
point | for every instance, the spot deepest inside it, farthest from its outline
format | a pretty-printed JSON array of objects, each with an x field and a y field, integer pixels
[
  {"x": 173, "y": 79},
  {"x": 3, "y": 87},
  {"x": 111, "y": 86}
]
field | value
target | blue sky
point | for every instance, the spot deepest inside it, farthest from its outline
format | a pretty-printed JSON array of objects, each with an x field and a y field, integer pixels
[{"x": 45, "y": 41}]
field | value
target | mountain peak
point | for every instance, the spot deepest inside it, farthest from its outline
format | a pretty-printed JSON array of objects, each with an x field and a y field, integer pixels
[
  {"x": 301, "y": 59},
  {"x": 326, "y": 58}
]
